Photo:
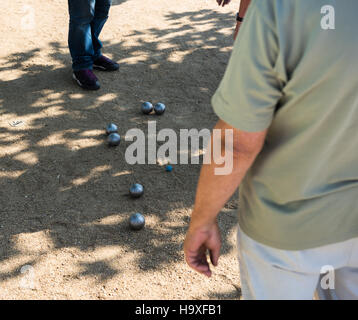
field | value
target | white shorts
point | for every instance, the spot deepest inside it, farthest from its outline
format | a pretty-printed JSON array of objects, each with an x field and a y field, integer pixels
[{"x": 267, "y": 273}]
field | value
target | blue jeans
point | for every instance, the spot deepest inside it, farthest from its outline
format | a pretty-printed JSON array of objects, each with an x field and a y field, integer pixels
[{"x": 87, "y": 18}]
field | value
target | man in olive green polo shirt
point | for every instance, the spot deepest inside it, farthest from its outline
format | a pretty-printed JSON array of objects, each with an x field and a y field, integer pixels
[{"x": 290, "y": 95}]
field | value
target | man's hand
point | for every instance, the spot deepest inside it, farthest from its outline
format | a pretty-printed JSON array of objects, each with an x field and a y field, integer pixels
[
  {"x": 223, "y": 3},
  {"x": 198, "y": 241}
]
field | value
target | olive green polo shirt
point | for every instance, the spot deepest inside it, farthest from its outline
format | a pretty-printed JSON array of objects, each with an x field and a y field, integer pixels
[{"x": 294, "y": 70}]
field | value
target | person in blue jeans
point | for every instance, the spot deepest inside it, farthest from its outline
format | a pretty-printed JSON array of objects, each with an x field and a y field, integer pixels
[{"x": 87, "y": 18}]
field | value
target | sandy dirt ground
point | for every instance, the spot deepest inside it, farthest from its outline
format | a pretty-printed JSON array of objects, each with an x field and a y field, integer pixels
[{"x": 64, "y": 202}]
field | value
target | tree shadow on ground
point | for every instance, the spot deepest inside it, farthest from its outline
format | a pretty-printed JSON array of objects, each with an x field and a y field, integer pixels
[
  {"x": 118, "y": 2},
  {"x": 234, "y": 294},
  {"x": 57, "y": 174}
]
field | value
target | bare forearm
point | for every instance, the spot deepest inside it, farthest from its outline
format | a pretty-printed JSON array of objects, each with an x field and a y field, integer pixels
[
  {"x": 215, "y": 190},
  {"x": 244, "y": 4}
]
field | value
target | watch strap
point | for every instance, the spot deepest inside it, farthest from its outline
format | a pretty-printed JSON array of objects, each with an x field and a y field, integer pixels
[{"x": 238, "y": 18}]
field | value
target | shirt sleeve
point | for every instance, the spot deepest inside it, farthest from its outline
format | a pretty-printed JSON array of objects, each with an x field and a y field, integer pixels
[{"x": 250, "y": 89}]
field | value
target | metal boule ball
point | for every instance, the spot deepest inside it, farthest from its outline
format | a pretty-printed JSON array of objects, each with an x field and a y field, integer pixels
[
  {"x": 114, "y": 139},
  {"x": 159, "y": 108},
  {"x": 136, "y": 221},
  {"x": 136, "y": 190},
  {"x": 111, "y": 128},
  {"x": 147, "y": 107}
]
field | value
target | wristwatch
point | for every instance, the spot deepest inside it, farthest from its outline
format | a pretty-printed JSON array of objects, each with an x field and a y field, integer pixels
[{"x": 238, "y": 18}]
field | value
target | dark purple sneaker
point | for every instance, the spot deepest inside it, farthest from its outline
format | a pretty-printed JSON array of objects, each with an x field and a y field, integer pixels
[
  {"x": 86, "y": 79},
  {"x": 105, "y": 64}
]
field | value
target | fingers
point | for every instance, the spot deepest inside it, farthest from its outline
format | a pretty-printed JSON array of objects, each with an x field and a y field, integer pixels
[
  {"x": 201, "y": 267},
  {"x": 214, "y": 257},
  {"x": 196, "y": 245},
  {"x": 214, "y": 246},
  {"x": 198, "y": 261},
  {"x": 195, "y": 253}
]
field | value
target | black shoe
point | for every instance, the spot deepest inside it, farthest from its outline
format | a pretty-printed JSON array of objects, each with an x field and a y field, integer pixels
[
  {"x": 105, "y": 64},
  {"x": 86, "y": 79}
]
